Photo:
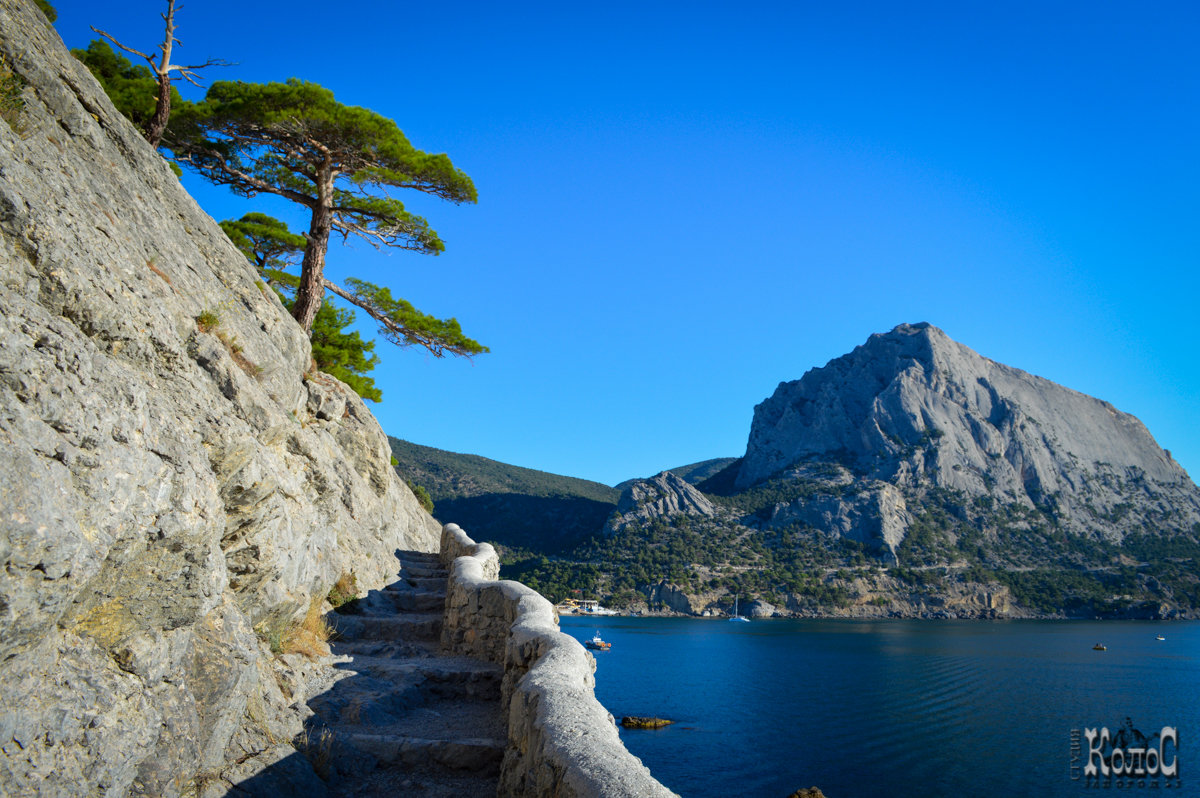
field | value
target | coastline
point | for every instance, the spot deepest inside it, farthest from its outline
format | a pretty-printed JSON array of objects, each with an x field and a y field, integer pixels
[{"x": 930, "y": 615}]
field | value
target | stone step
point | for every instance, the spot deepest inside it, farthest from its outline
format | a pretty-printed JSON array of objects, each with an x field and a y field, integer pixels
[
  {"x": 432, "y": 782},
  {"x": 361, "y": 701},
  {"x": 409, "y": 626},
  {"x": 475, "y": 754},
  {"x": 406, "y": 599},
  {"x": 431, "y": 583},
  {"x": 393, "y": 601},
  {"x": 386, "y": 649},
  {"x": 438, "y": 719},
  {"x": 440, "y": 677},
  {"x": 420, "y": 557},
  {"x": 439, "y": 696},
  {"x": 424, "y": 570}
]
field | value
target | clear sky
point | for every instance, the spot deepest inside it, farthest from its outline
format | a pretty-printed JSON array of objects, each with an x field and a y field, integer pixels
[{"x": 683, "y": 204}]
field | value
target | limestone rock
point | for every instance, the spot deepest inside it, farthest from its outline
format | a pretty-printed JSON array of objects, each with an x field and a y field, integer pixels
[
  {"x": 674, "y": 598},
  {"x": 917, "y": 410},
  {"x": 640, "y": 722},
  {"x": 661, "y": 496},
  {"x": 808, "y": 792},
  {"x": 165, "y": 490},
  {"x": 758, "y": 608},
  {"x": 876, "y": 516}
]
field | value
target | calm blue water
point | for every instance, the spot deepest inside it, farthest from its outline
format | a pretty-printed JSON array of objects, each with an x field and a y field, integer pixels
[{"x": 899, "y": 708}]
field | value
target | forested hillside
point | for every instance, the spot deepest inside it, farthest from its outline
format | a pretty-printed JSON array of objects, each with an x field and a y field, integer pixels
[{"x": 506, "y": 504}]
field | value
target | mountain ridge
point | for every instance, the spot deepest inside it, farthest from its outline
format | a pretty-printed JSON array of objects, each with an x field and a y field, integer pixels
[
  {"x": 917, "y": 410},
  {"x": 911, "y": 476},
  {"x": 506, "y": 504}
]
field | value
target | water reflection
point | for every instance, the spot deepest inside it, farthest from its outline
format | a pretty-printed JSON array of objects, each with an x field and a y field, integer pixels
[{"x": 905, "y": 707}]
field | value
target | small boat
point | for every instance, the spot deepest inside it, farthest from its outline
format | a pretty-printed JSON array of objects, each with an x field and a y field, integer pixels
[
  {"x": 596, "y": 644},
  {"x": 735, "y": 616},
  {"x": 1099, "y": 647},
  {"x": 1159, "y": 637}
]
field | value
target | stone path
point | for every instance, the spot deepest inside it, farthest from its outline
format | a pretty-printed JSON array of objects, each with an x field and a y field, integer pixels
[{"x": 432, "y": 723}]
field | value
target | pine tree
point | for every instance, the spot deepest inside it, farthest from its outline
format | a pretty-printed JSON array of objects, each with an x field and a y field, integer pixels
[
  {"x": 131, "y": 87},
  {"x": 162, "y": 71},
  {"x": 272, "y": 248},
  {"x": 294, "y": 140}
]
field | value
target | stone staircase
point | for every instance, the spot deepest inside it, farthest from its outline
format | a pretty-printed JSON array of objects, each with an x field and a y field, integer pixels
[{"x": 414, "y": 721}]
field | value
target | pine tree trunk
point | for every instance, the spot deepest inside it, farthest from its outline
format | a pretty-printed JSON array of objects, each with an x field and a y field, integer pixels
[
  {"x": 311, "y": 290},
  {"x": 162, "y": 113}
]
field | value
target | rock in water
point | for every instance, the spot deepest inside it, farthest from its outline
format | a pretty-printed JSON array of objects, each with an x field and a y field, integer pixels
[
  {"x": 166, "y": 489},
  {"x": 911, "y": 410},
  {"x": 637, "y": 722}
]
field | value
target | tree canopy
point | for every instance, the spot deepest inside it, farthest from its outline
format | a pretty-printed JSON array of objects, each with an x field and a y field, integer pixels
[
  {"x": 269, "y": 245},
  {"x": 132, "y": 88},
  {"x": 272, "y": 248},
  {"x": 47, "y": 9},
  {"x": 294, "y": 140},
  {"x": 162, "y": 70}
]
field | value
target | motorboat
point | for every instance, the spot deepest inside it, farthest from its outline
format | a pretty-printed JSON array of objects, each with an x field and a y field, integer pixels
[{"x": 597, "y": 644}]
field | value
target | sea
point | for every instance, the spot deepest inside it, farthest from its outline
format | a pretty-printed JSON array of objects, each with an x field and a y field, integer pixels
[{"x": 906, "y": 707}]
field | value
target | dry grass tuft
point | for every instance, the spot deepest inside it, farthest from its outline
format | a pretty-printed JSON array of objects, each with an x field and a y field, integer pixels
[
  {"x": 344, "y": 590},
  {"x": 11, "y": 104},
  {"x": 311, "y": 636},
  {"x": 207, "y": 321},
  {"x": 150, "y": 265},
  {"x": 308, "y": 636},
  {"x": 239, "y": 356},
  {"x": 317, "y": 746}
]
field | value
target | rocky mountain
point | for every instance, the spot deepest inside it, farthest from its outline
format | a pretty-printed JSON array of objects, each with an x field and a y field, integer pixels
[
  {"x": 911, "y": 410},
  {"x": 911, "y": 477},
  {"x": 661, "y": 496},
  {"x": 177, "y": 485},
  {"x": 693, "y": 473},
  {"x": 507, "y": 504}
]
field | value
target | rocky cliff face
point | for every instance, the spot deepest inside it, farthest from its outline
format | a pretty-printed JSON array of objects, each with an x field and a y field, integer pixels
[
  {"x": 661, "y": 496},
  {"x": 915, "y": 410},
  {"x": 165, "y": 486}
]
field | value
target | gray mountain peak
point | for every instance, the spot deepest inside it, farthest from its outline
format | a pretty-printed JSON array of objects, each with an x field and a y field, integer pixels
[
  {"x": 661, "y": 496},
  {"x": 917, "y": 410}
]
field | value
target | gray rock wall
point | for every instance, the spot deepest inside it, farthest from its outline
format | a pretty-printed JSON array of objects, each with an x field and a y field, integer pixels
[
  {"x": 561, "y": 741},
  {"x": 673, "y": 597},
  {"x": 163, "y": 490},
  {"x": 877, "y": 516}
]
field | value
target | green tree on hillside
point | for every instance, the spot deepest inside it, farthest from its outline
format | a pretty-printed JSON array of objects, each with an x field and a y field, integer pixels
[
  {"x": 131, "y": 87},
  {"x": 272, "y": 248},
  {"x": 294, "y": 140},
  {"x": 161, "y": 72},
  {"x": 269, "y": 245}
]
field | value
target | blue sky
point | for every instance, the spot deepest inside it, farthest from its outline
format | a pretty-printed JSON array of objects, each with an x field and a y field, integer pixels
[{"x": 683, "y": 204}]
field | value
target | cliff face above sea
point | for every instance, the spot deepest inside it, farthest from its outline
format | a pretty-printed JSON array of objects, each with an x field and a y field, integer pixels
[{"x": 169, "y": 489}]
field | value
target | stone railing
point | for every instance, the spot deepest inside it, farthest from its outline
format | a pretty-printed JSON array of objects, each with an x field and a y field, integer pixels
[{"x": 561, "y": 741}]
